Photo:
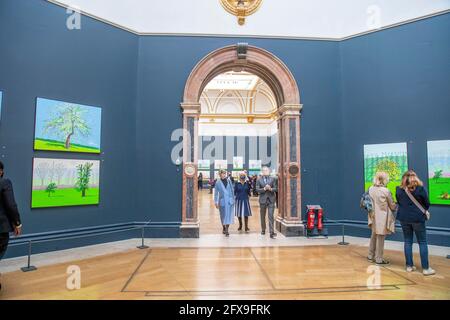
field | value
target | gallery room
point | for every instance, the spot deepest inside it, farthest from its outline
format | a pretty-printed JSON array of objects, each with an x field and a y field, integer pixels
[{"x": 224, "y": 149}]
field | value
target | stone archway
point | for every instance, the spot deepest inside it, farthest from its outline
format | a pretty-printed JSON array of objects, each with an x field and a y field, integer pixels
[{"x": 273, "y": 71}]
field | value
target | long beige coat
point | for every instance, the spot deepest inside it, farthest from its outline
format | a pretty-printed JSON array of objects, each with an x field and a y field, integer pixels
[{"x": 382, "y": 220}]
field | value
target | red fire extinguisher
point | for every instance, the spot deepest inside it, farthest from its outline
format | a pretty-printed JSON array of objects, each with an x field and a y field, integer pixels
[
  {"x": 310, "y": 221},
  {"x": 319, "y": 219}
]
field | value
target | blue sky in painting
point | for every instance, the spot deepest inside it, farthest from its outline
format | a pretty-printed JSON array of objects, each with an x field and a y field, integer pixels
[
  {"x": 439, "y": 157},
  {"x": 45, "y": 108},
  {"x": 384, "y": 149}
]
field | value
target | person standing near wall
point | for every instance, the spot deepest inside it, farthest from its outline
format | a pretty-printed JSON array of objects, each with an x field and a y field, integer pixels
[
  {"x": 200, "y": 181},
  {"x": 242, "y": 192},
  {"x": 266, "y": 187},
  {"x": 381, "y": 220},
  {"x": 9, "y": 214},
  {"x": 224, "y": 200},
  {"x": 412, "y": 214}
]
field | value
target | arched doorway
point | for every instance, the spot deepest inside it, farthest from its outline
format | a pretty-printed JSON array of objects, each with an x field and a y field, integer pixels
[{"x": 273, "y": 71}]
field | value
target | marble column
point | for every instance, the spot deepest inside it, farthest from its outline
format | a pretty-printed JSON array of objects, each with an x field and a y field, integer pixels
[
  {"x": 190, "y": 223},
  {"x": 289, "y": 220}
]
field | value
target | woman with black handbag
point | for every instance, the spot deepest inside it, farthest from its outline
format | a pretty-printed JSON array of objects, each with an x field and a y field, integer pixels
[{"x": 413, "y": 213}]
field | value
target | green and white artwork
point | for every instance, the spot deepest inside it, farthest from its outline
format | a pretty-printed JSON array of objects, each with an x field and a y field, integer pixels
[
  {"x": 70, "y": 127},
  {"x": 254, "y": 167},
  {"x": 391, "y": 158},
  {"x": 65, "y": 182},
  {"x": 439, "y": 171},
  {"x": 204, "y": 164},
  {"x": 220, "y": 164},
  {"x": 238, "y": 163}
]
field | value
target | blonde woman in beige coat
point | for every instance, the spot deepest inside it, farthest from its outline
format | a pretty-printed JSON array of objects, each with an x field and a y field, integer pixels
[{"x": 381, "y": 219}]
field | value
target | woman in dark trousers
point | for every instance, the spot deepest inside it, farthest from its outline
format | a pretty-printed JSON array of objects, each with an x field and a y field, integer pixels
[
  {"x": 242, "y": 204},
  {"x": 9, "y": 215},
  {"x": 413, "y": 219},
  {"x": 200, "y": 181}
]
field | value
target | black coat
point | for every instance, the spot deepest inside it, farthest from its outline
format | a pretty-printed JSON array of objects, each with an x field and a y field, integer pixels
[
  {"x": 9, "y": 214},
  {"x": 407, "y": 210}
]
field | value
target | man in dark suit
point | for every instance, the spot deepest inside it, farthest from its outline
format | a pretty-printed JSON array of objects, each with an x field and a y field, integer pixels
[
  {"x": 266, "y": 186},
  {"x": 9, "y": 214}
]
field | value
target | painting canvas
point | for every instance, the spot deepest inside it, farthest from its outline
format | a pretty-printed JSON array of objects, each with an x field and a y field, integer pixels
[
  {"x": 204, "y": 164},
  {"x": 254, "y": 164},
  {"x": 65, "y": 182},
  {"x": 439, "y": 171},
  {"x": 238, "y": 163},
  {"x": 389, "y": 157},
  {"x": 70, "y": 127},
  {"x": 220, "y": 164}
]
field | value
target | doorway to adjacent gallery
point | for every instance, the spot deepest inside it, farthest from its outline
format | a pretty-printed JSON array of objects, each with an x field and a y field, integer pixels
[
  {"x": 230, "y": 66},
  {"x": 238, "y": 132}
]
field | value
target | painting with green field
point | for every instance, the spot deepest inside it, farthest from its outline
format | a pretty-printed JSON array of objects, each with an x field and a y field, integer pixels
[
  {"x": 439, "y": 171},
  {"x": 65, "y": 182},
  {"x": 69, "y": 127},
  {"x": 391, "y": 158}
]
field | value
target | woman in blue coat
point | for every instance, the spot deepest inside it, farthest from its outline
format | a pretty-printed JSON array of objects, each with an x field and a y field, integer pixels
[
  {"x": 242, "y": 192},
  {"x": 224, "y": 200}
]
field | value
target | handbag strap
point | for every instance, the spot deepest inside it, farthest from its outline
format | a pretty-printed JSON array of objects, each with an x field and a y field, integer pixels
[{"x": 414, "y": 200}]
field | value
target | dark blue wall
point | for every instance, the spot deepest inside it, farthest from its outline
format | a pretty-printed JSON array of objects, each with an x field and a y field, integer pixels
[
  {"x": 395, "y": 88},
  {"x": 388, "y": 86},
  {"x": 96, "y": 65}
]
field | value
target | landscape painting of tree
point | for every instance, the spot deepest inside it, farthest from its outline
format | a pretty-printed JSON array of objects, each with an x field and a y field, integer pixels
[
  {"x": 439, "y": 171},
  {"x": 65, "y": 182},
  {"x": 391, "y": 158},
  {"x": 70, "y": 127}
]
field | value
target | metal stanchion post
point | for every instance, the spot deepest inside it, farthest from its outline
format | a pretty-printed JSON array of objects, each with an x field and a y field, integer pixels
[
  {"x": 29, "y": 267},
  {"x": 343, "y": 243},
  {"x": 142, "y": 246}
]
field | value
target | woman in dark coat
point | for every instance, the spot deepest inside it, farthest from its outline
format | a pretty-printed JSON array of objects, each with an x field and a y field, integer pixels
[
  {"x": 200, "y": 181},
  {"x": 413, "y": 219},
  {"x": 242, "y": 192},
  {"x": 9, "y": 214}
]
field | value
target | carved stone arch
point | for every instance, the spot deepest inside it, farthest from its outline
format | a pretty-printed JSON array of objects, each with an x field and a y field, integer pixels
[{"x": 277, "y": 76}]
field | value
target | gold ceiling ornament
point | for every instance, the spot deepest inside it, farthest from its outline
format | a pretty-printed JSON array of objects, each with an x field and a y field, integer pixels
[{"x": 241, "y": 8}]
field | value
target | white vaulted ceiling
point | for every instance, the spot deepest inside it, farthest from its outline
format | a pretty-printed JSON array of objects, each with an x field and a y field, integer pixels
[{"x": 329, "y": 19}]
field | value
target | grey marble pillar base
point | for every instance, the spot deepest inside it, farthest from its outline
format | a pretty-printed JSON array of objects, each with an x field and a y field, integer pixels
[
  {"x": 189, "y": 231},
  {"x": 290, "y": 229}
]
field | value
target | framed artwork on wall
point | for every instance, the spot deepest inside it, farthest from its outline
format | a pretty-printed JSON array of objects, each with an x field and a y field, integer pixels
[
  {"x": 254, "y": 165},
  {"x": 220, "y": 164},
  {"x": 65, "y": 182},
  {"x": 391, "y": 158},
  {"x": 204, "y": 164},
  {"x": 238, "y": 163},
  {"x": 69, "y": 127},
  {"x": 439, "y": 171}
]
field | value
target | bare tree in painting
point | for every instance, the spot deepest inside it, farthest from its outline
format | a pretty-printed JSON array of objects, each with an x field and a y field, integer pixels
[
  {"x": 42, "y": 170},
  {"x": 67, "y": 122},
  {"x": 59, "y": 170}
]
